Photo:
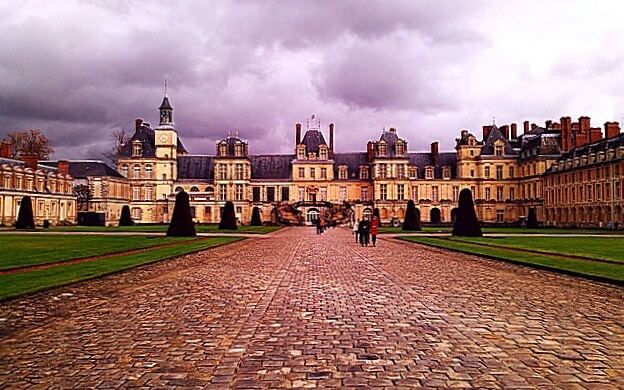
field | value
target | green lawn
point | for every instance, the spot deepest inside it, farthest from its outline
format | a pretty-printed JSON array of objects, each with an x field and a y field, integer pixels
[
  {"x": 17, "y": 284},
  {"x": 504, "y": 230},
  {"x": 162, "y": 228},
  {"x": 593, "y": 247}
]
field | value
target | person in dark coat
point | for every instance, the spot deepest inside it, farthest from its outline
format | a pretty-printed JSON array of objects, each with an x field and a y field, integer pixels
[{"x": 364, "y": 230}]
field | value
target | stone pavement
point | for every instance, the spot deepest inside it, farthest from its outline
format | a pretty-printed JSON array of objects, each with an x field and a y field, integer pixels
[{"x": 299, "y": 310}]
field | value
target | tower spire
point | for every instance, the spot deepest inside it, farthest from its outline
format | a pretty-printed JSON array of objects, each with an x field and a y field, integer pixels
[{"x": 166, "y": 111}]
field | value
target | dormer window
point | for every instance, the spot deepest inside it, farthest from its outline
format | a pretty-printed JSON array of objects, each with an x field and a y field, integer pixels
[
  {"x": 498, "y": 150},
  {"x": 312, "y": 156},
  {"x": 446, "y": 173},
  {"x": 363, "y": 172},
  {"x": 238, "y": 149},
  {"x": 383, "y": 149},
  {"x": 137, "y": 149},
  {"x": 429, "y": 173},
  {"x": 222, "y": 149},
  {"x": 323, "y": 153},
  {"x": 400, "y": 148},
  {"x": 412, "y": 173},
  {"x": 301, "y": 152},
  {"x": 342, "y": 172}
]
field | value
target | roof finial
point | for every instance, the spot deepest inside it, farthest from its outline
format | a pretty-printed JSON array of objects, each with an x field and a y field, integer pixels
[
  {"x": 229, "y": 133},
  {"x": 494, "y": 120},
  {"x": 236, "y": 133},
  {"x": 165, "y": 87}
]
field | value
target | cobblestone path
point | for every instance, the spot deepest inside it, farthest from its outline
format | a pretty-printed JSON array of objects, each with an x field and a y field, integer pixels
[{"x": 299, "y": 310}]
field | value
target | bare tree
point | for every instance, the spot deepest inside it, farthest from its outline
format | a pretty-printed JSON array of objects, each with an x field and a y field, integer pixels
[
  {"x": 119, "y": 138},
  {"x": 30, "y": 142}
]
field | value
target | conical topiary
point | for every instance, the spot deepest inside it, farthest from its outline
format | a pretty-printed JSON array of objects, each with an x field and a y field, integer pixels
[
  {"x": 25, "y": 219},
  {"x": 256, "y": 220},
  {"x": 181, "y": 224},
  {"x": 532, "y": 219},
  {"x": 228, "y": 218},
  {"x": 125, "y": 219},
  {"x": 412, "y": 217},
  {"x": 466, "y": 223}
]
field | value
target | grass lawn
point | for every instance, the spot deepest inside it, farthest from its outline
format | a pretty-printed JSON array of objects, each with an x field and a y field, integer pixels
[
  {"x": 502, "y": 248},
  {"x": 162, "y": 228},
  {"x": 504, "y": 230},
  {"x": 17, "y": 284}
]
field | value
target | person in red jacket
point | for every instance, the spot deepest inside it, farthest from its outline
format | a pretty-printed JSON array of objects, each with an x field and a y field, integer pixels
[{"x": 374, "y": 229}]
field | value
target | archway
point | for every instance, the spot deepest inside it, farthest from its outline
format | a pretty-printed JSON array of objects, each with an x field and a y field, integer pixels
[
  {"x": 367, "y": 213},
  {"x": 312, "y": 215},
  {"x": 453, "y": 214},
  {"x": 434, "y": 215}
]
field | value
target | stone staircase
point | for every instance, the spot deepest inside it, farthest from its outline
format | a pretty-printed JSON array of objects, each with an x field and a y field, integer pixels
[{"x": 287, "y": 215}]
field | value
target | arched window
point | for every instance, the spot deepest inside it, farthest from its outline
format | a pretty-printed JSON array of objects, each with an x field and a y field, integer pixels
[
  {"x": 312, "y": 215},
  {"x": 367, "y": 213},
  {"x": 148, "y": 171},
  {"x": 124, "y": 170},
  {"x": 209, "y": 190},
  {"x": 137, "y": 171},
  {"x": 178, "y": 189},
  {"x": 194, "y": 189}
]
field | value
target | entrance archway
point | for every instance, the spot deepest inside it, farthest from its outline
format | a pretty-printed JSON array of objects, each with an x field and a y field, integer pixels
[
  {"x": 312, "y": 215},
  {"x": 453, "y": 214},
  {"x": 434, "y": 215}
]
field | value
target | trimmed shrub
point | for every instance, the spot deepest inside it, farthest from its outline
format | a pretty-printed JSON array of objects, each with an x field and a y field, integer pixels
[
  {"x": 466, "y": 223},
  {"x": 412, "y": 217},
  {"x": 532, "y": 219},
  {"x": 125, "y": 219},
  {"x": 256, "y": 220},
  {"x": 25, "y": 218},
  {"x": 228, "y": 218},
  {"x": 181, "y": 224}
]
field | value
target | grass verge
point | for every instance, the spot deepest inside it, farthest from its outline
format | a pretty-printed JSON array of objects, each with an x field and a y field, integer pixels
[
  {"x": 161, "y": 228},
  {"x": 505, "y": 230},
  {"x": 17, "y": 284},
  {"x": 613, "y": 273}
]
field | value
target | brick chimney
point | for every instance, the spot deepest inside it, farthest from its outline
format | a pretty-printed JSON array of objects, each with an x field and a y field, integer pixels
[
  {"x": 505, "y": 131},
  {"x": 434, "y": 152},
  {"x": 514, "y": 131},
  {"x": 584, "y": 125},
  {"x": 549, "y": 124},
  {"x": 612, "y": 129},
  {"x": 5, "y": 149},
  {"x": 31, "y": 160},
  {"x": 533, "y": 126},
  {"x": 369, "y": 150},
  {"x": 486, "y": 131},
  {"x": 138, "y": 123},
  {"x": 595, "y": 134},
  {"x": 63, "y": 167},
  {"x": 526, "y": 127},
  {"x": 566, "y": 133},
  {"x": 297, "y": 134},
  {"x": 331, "y": 139}
]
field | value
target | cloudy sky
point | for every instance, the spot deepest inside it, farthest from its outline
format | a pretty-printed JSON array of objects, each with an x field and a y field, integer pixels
[{"x": 80, "y": 69}]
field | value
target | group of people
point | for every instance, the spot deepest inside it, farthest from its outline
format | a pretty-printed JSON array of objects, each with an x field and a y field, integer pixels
[{"x": 364, "y": 230}]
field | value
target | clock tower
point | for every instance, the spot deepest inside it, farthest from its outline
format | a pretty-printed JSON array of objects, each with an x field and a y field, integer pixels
[{"x": 166, "y": 142}]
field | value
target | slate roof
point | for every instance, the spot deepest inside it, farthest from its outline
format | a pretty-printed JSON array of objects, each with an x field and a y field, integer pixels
[
  {"x": 165, "y": 105},
  {"x": 195, "y": 167},
  {"x": 391, "y": 138},
  {"x": 603, "y": 145},
  {"x": 81, "y": 169},
  {"x": 424, "y": 159},
  {"x": 353, "y": 161},
  {"x": 493, "y": 136},
  {"x": 540, "y": 142},
  {"x": 231, "y": 141},
  {"x": 271, "y": 166},
  {"x": 147, "y": 137},
  {"x": 312, "y": 140}
]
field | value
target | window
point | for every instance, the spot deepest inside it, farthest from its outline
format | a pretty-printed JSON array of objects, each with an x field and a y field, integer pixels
[
  {"x": 429, "y": 173},
  {"x": 222, "y": 171},
  {"x": 499, "y": 172},
  {"x": 512, "y": 194},
  {"x": 400, "y": 192},
  {"x": 383, "y": 171},
  {"x": 137, "y": 171},
  {"x": 137, "y": 149},
  {"x": 498, "y": 150},
  {"x": 238, "y": 149},
  {"x": 222, "y": 192},
  {"x": 383, "y": 191},
  {"x": 500, "y": 216},
  {"x": 312, "y": 173},
  {"x": 323, "y": 153},
  {"x": 487, "y": 193},
  {"x": 617, "y": 190},
  {"x": 323, "y": 173},
  {"x": 324, "y": 193},
  {"x": 364, "y": 194},
  {"x": 223, "y": 149},
  {"x": 148, "y": 171},
  {"x": 301, "y": 194},
  {"x": 255, "y": 194},
  {"x": 285, "y": 193},
  {"x": 455, "y": 194},
  {"x": 194, "y": 189},
  {"x": 136, "y": 213},
  {"x": 598, "y": 192},
  {"x": 148, "y": 193},
  {"x": 434, "y": 194},
  {"x": 238, "y": 192},
  {"x": 136, "y": 193},
  {"x": 193, "y": 211},
  {"x": 343, "y": 194},
  {"x": 446, "y": 173},
  {"x": 401, "y": 171},
  {"x": 499, "y": 194},
  {"x": 271, "y": 194},
  {"x": 400, "y": 148},
  {"x": 415, "y": 193},
  {"x": 412, "y": 173},
  {"x": 472, "y": 173},
  {"x": 363, "y": 173},
  {"x": 301, "y": 172},
  {"x": 589, "y": 192},
  {"x": 486, "y": 172},
  {"x": 239, "y": 172},
  {"x": 301, "y": 153},
  {"x": 511, "y": 172},
  {"x": 383, "y": 149},
  {"x": 342, "y": 173}
]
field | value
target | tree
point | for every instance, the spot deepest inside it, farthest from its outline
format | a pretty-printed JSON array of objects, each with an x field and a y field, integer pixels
[
  {"x": 119, "y": 138},
  {"x": 181, "y": 224},
  {"x": 30, "y": 142},
  {"x": 532, "y": 219},
  {"x": 228, "y": 218},
  {"x": 412, "y": 217},
  {"x": 125, "y": 219},
  {"x": 84, "y": 195},
  {"x": 466, "y": 223},
  {"x": 256, "y": 220},
  {"x": 25, "y": 219}
]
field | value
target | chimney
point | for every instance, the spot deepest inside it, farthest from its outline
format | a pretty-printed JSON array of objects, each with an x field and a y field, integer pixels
[
  {"x": 63, "y": 167},
  {"x": 505, "y": 131},
  {"x": 526, "y": 127},
  {"x": 566, "y": 133},
  {"x": 5, "y": 149},
  {"x": 298, "y": 134},
  {"x": 31, "y": 160},
  {"x": 548, "y": 124},
  {"x": 533, "y": 126},
  {"x": 464, "y": 134},
  {"x": 369, "y": 150},
  {"x": 595, "y": 134},
  {"x": 612, "y": 129},
  {"x": 434, "y": 152},
  {"x": 331, "y": 138},
  {"x": 138, "y": 123},
  {"x": 514, "y": 131},
  {"x": 584, "y": 123},
  {"x": 486, "y": 131}
]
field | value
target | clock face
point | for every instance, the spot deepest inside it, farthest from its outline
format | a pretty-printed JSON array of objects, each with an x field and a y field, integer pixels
[{"x": 163, "y": 138}]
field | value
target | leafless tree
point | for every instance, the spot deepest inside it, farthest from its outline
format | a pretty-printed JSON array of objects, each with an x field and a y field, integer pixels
[
  {"x": 119, "y": 138},
  {"x": 30, "y": 142}
]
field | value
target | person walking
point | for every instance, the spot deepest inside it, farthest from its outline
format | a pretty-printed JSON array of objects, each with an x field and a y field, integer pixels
[
  {"x": 356, "y": 232},
  {"x": 374, "y": 229},
  {"x": 364, "y": 231},
  {"x": 318, "y": 225}
]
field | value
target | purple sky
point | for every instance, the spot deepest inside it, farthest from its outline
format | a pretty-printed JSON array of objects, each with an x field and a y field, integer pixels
[{"x": 77, "y": 70}]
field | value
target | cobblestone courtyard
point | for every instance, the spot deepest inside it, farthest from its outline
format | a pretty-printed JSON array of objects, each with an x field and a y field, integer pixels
[{"x": 299, "y": 310}]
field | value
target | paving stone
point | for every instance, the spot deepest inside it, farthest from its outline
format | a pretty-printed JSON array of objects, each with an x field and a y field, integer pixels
[{"x": 295, "y": 310}]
